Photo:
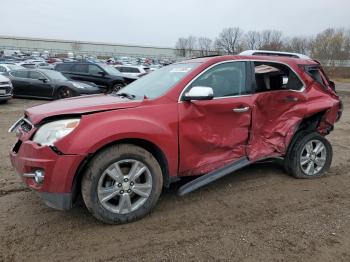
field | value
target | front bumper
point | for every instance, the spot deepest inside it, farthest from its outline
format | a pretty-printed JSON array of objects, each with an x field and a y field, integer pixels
[
  {"x": 60, "y": 201},
  {"x": 5, "y": 97},
  {"x": 56, "y": 188}
]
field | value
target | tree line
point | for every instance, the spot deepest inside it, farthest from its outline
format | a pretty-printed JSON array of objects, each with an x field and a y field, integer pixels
[{"x": 330, "y": 44}]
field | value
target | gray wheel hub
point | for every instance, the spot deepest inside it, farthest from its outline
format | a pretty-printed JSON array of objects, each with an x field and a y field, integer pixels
[
  {"x": 124, "y": 186},
  {"x": 313, "y": 157}
]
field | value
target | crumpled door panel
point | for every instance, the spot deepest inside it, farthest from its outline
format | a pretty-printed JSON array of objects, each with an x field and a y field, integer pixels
[
  {"x": 276, "y": 116},
  {"x": 211, "y": 134}
]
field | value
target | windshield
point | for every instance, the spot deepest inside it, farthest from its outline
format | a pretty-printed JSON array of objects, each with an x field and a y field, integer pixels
[
  {"x": 158, "y": 82},
  {"x": 110, "y": 70},
  {"x": 55, "y": 75}
]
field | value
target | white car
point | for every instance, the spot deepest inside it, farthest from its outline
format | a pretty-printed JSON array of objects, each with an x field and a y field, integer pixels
[
  {"x": 132, "y": 71},
  {"x": 6, "y": 89},
  {"x": 8, "y": 67}
]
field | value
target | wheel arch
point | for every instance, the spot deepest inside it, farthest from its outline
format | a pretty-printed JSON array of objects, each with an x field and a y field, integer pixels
[
  {"x": 145, "y": 144},
  {"x": 307, "y": 125}
]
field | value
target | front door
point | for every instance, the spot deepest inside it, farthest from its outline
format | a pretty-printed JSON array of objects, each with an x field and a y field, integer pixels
[
  {"x": 213, "y": 133},
  {"x": 38, "y": 86}
]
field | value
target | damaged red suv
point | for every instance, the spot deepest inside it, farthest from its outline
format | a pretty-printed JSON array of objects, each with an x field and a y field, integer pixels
[{"x": 205, "y": 117}]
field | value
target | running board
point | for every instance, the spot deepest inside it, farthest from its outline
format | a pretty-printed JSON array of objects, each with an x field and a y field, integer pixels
[{"x": 214, "y": 175}]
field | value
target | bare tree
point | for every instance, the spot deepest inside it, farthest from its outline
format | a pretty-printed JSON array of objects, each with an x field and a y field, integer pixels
[
  {"x": 271, "y": 40},
  {"x": 76, "y": 47},
  {"x": 298, "y": 45},
  {"x": 191, "y": 45},
  {"x": 331, "y": 44},
  {"x": 229, "y": 39},
  {"x": 181, "y": 47},
  {"x": 253, "y": 40},
  {"x": 204, "y": 45}
]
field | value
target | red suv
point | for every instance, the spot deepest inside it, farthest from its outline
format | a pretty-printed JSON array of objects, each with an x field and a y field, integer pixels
[{"x": 205, "y": 117}]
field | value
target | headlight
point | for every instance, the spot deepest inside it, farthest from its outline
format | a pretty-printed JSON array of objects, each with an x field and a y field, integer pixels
[
  {"x": 54, "y": 131},
  {"x": 79, "y": 85}
]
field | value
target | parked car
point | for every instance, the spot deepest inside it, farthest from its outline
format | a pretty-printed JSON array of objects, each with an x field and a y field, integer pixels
[
  {"x": 132, "y": 71},
  {"x": 48, "y": 84},
  {"x": 205, "y": 117},
  {"x": 106, "y": 77},
  {"x": 6, "y": 90},
  {"x": 6, "y": 67}
]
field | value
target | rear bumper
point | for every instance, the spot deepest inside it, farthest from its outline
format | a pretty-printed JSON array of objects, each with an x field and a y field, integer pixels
[{"x": 59, "y": 172}]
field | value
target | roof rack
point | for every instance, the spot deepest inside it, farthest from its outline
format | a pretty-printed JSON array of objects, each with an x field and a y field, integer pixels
[{"x": 274, "y": 53}]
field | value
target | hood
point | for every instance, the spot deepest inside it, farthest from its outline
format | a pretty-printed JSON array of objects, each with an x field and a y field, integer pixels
[
  {"x": 4, "y": 78},
  {"x": 79, "y": 105}
]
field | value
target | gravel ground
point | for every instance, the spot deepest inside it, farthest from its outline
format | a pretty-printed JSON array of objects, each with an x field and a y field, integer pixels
[{"x": 256, "y": 214}]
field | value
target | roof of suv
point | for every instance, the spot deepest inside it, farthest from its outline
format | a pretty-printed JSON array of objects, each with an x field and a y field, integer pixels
[{"x": 281, "y": 59}]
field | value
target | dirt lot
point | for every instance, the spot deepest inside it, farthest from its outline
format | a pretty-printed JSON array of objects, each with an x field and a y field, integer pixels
[{"x": 257, "y": 214}]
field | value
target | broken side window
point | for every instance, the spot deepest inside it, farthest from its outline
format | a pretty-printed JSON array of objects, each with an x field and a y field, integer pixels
[{"x": 270, "y": 76}]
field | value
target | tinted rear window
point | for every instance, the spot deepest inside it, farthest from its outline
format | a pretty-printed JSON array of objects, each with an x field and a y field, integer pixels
[
  {"x": 63, "y": 67},
  {"x": 19, "y": 73}
]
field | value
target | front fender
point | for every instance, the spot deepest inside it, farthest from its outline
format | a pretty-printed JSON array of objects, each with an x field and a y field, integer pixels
[{"x": 155, "y": 124}]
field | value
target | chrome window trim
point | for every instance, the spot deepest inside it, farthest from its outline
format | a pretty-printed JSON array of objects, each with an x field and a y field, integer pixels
[{"x": 302, "y": 89}]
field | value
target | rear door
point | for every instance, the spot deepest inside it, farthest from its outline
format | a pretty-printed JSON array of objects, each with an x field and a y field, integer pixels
[
  {"x": 19, "y": 79},
  {"x": 80, "y": 72},
  {"x": 279, "y": 106},
  {"x": 213, "y": 133}
]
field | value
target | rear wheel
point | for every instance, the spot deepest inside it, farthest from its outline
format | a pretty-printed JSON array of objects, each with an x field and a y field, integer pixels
[
  {"x": 122, "y": 184},
  {"x": 310, "y": 157},
  {"x": 64, "y": 92}
]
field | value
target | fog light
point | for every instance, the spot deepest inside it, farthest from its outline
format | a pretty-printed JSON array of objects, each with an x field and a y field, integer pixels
[{"x": 39, "y": 176}]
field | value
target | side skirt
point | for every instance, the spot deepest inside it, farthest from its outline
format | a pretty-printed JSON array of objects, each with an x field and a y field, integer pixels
[{"x": 214, "y": 175}]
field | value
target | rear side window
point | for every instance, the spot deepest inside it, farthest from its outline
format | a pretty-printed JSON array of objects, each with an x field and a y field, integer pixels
[
  {"x": 94, "y": 70},
  {"x": 80, "y": 68},
  {"x": 227, "y": 79},
  {"x": 316, "y": 74},
  {"x": 35, "y": 75},
  {"x": 19, "y": 73},
  {"x": 63, "y": 67},
  {"x": 270, "y": 76}
]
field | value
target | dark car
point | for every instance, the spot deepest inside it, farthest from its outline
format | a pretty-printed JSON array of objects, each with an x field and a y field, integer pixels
[
  {"x": 106, "y": 77},
  {"x": 49, "y": 84}
]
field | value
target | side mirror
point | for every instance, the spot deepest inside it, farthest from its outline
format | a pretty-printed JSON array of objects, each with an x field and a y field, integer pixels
[
  {"x": 199, "y": 93},
  {"x": 44, "y": 80},
  {"x": 101, "y": 73},
  {"x": 332, "y": 84}
]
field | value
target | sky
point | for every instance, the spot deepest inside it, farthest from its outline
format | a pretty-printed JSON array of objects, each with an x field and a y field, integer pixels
[{"x": 162, "y": 22}]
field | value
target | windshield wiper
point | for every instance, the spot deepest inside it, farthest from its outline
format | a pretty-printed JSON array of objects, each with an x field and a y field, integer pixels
[{"x": 129, "y": 96}]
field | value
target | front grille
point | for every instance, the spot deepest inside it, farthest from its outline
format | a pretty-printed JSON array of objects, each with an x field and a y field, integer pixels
[{"x": 7, "y": 89}]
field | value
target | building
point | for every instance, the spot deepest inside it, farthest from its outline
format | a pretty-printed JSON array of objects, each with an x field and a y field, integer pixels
[{"x": 63, "y": 47}]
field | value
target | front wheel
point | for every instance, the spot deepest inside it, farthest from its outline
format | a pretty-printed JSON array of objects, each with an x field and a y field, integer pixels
[
  {"x": 122, "y": 184},
  {"x": 310, "y": 157}
]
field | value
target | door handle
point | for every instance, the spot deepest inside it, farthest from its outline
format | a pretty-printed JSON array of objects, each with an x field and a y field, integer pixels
[
  {"x": 290, "y": 99},
  {"x": 241, "y": 109}
]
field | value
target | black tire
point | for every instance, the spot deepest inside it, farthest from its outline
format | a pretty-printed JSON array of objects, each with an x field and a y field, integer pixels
[
  {"x": 64, "y": 92},
  {"x": 297, "y": 153},
  {"x": 116, "y": 87},
  {"x": 99, "y": 164}
]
